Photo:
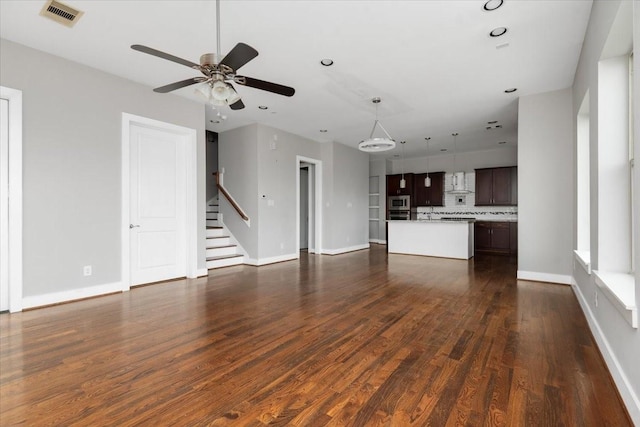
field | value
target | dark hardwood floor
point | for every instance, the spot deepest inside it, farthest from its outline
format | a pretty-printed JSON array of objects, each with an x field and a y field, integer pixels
[{"x": 350, "y": 340}]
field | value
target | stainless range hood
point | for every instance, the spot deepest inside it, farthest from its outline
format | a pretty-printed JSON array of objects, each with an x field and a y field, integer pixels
[{"x": 458, "y": 184}]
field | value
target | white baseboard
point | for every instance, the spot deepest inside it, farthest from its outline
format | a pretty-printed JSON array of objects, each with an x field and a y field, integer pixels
[
  {"x": 271, "y": 260},
  {"x": 345, "y": 250},
  {"x": 629, "y": 397},
  {"x": 544, "y": 277},
  {"x": 378, "y": 241},
  {"x": 202, "y": 272},
  {"x": 70, "y": 295}
]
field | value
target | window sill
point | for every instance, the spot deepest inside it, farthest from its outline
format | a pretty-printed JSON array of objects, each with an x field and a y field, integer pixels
[
  {"x": 620, "y": 289},
  {"x": 584, "y": 259}
]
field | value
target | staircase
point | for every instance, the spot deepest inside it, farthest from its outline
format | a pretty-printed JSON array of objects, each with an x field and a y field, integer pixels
[{"x": 220, "y": 251}]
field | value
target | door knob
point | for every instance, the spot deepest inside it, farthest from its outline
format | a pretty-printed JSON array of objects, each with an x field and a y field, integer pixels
[{"x": 133, "y": 226}]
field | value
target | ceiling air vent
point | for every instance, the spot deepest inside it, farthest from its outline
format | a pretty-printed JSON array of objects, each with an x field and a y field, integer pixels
[{"x": 61, "y": 13}]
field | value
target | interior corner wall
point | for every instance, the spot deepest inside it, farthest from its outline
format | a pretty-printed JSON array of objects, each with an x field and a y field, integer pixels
[
  {"x": 238, "y": 159},
  {"x": 72, "y": 126},
  {"x": 545, "y": 186},
  {"x": 350, "y": 200}
]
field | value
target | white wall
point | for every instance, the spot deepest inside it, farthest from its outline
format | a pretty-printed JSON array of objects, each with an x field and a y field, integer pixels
[
  {"x": 545, "y": 186},
  {"x": 619, "y": 343},
  {"x": 72, "y": 165}
]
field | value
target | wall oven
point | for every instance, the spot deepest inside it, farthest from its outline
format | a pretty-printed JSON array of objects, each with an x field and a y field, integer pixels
[
  {"x": 399, "y": 208},
  {"x": 399, "y": 203},
  {"x": 399, "y": 215}
]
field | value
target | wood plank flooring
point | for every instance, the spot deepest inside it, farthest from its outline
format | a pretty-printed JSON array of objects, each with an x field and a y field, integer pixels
[{"x": 360, "y": 339}]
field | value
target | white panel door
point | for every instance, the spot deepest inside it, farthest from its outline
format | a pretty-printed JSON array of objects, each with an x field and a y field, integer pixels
[
  {"x": 157, "y": 205},
  {"x": 4, "y": 204}
]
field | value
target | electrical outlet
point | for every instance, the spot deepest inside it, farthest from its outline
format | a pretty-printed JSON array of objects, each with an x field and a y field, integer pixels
[{"x": 86, "y": 270}]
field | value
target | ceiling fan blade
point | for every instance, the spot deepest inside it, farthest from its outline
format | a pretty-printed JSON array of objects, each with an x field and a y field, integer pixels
[
  {"x": 178, "y": 85},
  {"x": 238, "y": 105},
  {"x": 268, "y": 86},
  {"x": 159, "y": 54},
  {"x": 239, "y": 55}
]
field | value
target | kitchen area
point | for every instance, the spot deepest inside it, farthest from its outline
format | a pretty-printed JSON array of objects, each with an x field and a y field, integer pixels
[{"x": 450, "y": 215}]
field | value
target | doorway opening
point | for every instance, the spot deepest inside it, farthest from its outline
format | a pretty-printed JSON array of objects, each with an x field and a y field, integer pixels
[{"x": 309, "y": 205}]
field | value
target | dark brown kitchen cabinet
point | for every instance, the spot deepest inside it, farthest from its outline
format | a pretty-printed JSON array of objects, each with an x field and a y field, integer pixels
[
  {"x": 393, "y": 185},
  {"x": 493, "y": 237},
  {"x": 496, "y": 187},
  {"x": 428, "y": 196},
  {"x": 513, "y": 238}
]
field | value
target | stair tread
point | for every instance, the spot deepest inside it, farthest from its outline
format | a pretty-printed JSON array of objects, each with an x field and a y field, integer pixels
[
  {"x": 222, "y": 246},
  {"x": 218, "y": 237},
  {"x": 214, "y": 227},
  {"x": 214, "y": 258}
]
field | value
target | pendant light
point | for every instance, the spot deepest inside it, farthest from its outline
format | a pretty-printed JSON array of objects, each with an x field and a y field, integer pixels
[
  {"x": 403, "y": 182},
  {"x": 373, "y": 145},
  {"x": 427, "y": 180}
]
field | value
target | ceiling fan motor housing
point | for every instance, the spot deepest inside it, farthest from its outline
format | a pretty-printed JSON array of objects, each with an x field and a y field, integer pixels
[{"x": 208, "y": 59}]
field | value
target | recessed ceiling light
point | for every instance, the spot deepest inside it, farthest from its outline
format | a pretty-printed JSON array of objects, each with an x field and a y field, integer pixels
[
  {"x": 497, "y": 32},
  {"x": 498, "y": 126},
  {"x": 396, "y": 155},
  {"x": 327, "y": 62},
  {"x": 216, "y": 121},
  {"x": 443, "y": 149},
  {"x": 323, "y": 130},
  {"x": 492, "y": 5},
  {"x": 488, "y": 127},
  {"x": 502, "y": 45},
  {"x": 492, "y": 122},
  {"x": 427, "y": 138},
  {"x": 511, "y": 90},
  {"x": 262, "y": 107},
  {"x": 502, "y": 142}
]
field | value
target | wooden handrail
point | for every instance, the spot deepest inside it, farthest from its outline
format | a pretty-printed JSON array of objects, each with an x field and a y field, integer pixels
[{"x": 226, "y": 194}]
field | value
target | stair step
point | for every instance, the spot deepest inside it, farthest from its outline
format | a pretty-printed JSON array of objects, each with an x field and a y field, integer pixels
[
  {"x": 215, "y": 258},
  {"x": 224, "y": 261},
  {"x": 221, "y": 250}
]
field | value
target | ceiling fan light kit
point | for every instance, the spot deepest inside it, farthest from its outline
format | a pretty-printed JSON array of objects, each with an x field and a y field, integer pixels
[
  {"x": 373, "y": 145},
  {"x": 218, "y": 75}
]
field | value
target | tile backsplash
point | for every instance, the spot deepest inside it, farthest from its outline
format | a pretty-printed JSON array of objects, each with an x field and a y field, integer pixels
[{"x": 463, "y": 205}]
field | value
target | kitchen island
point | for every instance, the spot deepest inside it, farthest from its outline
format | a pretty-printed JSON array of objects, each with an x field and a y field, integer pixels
[{"x": 438, "y": 238}]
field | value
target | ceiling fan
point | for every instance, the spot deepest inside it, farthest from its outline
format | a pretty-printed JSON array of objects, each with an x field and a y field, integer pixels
[{"x": 219, "y": 75}]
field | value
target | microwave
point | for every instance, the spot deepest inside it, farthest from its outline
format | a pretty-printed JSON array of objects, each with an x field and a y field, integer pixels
[{"x": 399, "y": 203}]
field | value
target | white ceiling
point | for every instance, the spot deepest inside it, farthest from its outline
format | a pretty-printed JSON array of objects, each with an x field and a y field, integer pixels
[{"x": 432, "y": 62}]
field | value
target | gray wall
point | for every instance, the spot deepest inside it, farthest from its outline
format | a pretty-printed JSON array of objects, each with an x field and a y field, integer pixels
[
  {"x": 260, "y": 166},
  {"x": 238, "y": 159},
  {"x": 72, "y": 120},
  {"x": 466, "y": 162},
  {"x": 349, "y": 196},
  {"x": 618, "y": 341},
  {"x": 545, "y": 183}
]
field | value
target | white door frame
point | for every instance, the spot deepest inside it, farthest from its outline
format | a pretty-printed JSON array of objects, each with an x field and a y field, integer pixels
[
  {"x": 317, "y": 211},
  {"x": 13, "y": 236},
  {"x": 191, "y": 216}
]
